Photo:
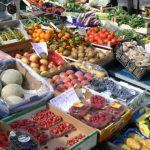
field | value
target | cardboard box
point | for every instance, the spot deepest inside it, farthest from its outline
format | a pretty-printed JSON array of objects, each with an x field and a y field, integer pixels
[
  {"x": 86, "y": 143},
  {"x": 36, "y": 89},
  {"x": 14, "y": 45}
]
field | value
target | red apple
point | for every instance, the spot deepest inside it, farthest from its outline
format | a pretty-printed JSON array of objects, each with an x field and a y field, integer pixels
[
  {"x": 18, "y": 56},
  {"x": 34, "y": 58},
  {"x": 34, "y": 65},
  {"x": 44, "y": 62},
  {"x": 43, "y": 68},
  {"x": 25, "y": 60}
]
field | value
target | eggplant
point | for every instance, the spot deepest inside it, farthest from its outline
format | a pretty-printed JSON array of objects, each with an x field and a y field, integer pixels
[
  {"x": 88, "y": 21},
  {"x": 89, "y": 13}
]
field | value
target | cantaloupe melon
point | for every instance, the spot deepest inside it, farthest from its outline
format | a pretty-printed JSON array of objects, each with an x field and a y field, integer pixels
[{"x": 11, "y": 76}]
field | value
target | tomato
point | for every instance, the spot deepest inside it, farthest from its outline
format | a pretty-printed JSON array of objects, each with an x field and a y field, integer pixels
[
  {"x": 114, "y": 41},
  {"x": 119, "y": 39},
  {"x": 112, "y": 33},
  {"x": 109, "y": 37},
  {"x": 91, "y": 36},
  {"x": 100, "y": 41},
  {"x": 104, "y": 30},
  {"x": 88, "y": 32},
  {"x": 103, "y": 36},
  {"x": 95, "y": 29},
  {"x": 106, "y": 33},
  {"x": 91, "y": 39},
  {"x": 106, "y": 41}
]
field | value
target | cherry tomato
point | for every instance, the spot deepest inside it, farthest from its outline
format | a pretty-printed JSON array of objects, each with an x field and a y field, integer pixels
[
  {"x": 104, "y": 30},
  {"x": 119, "y": 39},
  {"x": 96, "y": 29},
  {"x": 88, "y": 32},
  {"x": 109, "y": 37},
  {"x": 113, "y": 41},
  {"x": 100, "y": 41}
]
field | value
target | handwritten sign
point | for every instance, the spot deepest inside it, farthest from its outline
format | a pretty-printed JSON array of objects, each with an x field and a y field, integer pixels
[
  {"x": 40, "y": 48},
  {"x": 65, "y": 100}
]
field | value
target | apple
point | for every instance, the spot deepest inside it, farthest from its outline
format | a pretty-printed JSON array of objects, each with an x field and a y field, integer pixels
[
  {"x": 51, "y": 65},
  {"x": 34, "y": 65},
  {"x": 43, "y": 68},
  {"x": 25, "y": 60},
  {"x": 34, "y": 58},
  {"x": 18, "y": 56},
  {"x": 44, "y": 62},
  {"x": 43, "y": 55},
  {"x": 37, "y": 70}
]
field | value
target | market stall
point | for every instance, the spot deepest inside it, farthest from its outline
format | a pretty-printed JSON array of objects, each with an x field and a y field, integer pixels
[{"x": 73, "y": 75}]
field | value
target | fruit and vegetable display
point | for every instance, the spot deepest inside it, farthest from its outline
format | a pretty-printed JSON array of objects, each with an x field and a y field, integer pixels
[
  {"x": 88, "y": 19},
  {"x": 3, "y": 139},
  {"x": 40, "y": 65},
  {"x": 45, "y": 132},
  {"x": 134, "y": 57},
  {"x": 69, "y": 79},
  {"x": 101, "y": 36},
  {"x": 11, "y": 34},
  {"x": 11, "y": 81},
  {"x": 96, "y": 112},
  {"x": 132, "y": 139},
  {"x": 116, "y": 91},
  {"x": 87, "y": 53}
]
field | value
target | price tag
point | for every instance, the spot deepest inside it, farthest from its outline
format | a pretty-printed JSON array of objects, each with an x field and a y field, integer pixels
[
  {"x": 147, "y": 47},
  {"x": 45, "y": 27},
  {"x": 82, "y": 31},
  {"x": 65, "y": 100},
  {"x": 40, "y": 48}
]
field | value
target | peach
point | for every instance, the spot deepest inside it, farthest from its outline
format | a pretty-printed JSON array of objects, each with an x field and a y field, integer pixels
[
  {"x": 34, "y": 58},
  {"x": 43, "y": 68},
  {"x": 69, "y": 72},
  {"x": 72, "y": 76},
  {"x": 18, "y": 56},
  {"x": 88, "y": 76},
  {"x": 79, "y": 74},
  {"x": 63, "y": 75},
  {"x": 56, "y": 77},
  {"x": 34, "y": 65},
  {"x": 66, "y": 79},
  {"x": 44, "y": 62},
  {"x": 25, "y": 60}
]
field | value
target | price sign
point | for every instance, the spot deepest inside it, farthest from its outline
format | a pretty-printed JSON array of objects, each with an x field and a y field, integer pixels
[
  {"x": 40, "y": 48},
  {"x": 82, "y": 31},
  {"x": 147, "y": 47},
  {"x": 65, "y": 100}
]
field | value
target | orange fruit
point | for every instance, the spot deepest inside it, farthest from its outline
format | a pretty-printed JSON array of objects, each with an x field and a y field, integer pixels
[
  {"x": 39, "y": 30},
  {"x": 34, "y": 35},
  {"x": 60, "y": 35},
  {"x": 36, "y": 25},
  {"x": 70, "y": 40},
  {"x": 59, "y": 31},
  {"x": 42, "y": 35},
  {"x": 51, "y": 30},
  {"x": 37, "y": 34},
  {"x": 47, "y": 36},
  {"x": 30, "y": 32},
  {"x": 42, "y": 40},
  {"x": 67, "y": 35},
  {"x": 37, "y": 39}
]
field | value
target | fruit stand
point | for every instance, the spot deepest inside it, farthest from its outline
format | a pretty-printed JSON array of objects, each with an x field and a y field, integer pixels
[{"x": 74, "y": 75}]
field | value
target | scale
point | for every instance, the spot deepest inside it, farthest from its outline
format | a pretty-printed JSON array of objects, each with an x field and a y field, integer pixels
[{"x": 9, "y": 10}]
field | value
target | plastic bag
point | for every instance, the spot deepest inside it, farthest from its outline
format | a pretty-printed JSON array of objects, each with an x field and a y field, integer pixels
[{"x": 99, "y": 2}]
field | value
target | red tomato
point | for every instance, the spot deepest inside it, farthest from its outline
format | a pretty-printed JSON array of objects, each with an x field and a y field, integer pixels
[
  {"x": 103, "y": 36},
  {"x": 109, "y": 37},
  {"x": 119, "y": 39},
  {"x": 106, "y": 41},
  {"x": 91, "y": 39},
  {"x": 104, "y": 30},
  {"x": 112, "y": 33},
  {"x": 88, "y": 32},
  {"x": 95, "y": 29},
  {"x": 106, "y": 33},
  {"x": 100, "y": 41},
  {"x": 114, "y": 41}
]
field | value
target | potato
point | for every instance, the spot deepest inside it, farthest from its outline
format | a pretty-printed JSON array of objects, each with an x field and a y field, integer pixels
[
  {"x": 146, "y": 143},
  {"x": 123, "y": 146},
  {"x": 135, "y": 136},
  {"x": 132, "y": 143}
]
